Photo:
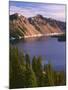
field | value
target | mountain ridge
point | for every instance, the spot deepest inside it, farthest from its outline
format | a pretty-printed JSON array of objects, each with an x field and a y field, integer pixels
[{"x": 20, "y": 26}]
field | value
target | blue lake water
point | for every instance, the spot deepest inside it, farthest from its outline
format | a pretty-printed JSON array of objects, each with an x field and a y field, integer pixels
[{"x": 50, "y": 49}]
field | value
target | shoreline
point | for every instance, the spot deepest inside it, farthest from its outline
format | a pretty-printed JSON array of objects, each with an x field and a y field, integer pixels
[
  {"x": 41, "y": 35},
  {"x": 38, "y": 35}
]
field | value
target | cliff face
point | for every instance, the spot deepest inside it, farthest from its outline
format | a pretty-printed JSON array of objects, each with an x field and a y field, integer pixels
[
  {"x": 20, "y": 26},
  {"x": 43, "y": 26}
]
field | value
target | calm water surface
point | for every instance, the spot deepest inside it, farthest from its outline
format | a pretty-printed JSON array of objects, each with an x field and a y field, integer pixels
[{"x": 49, "y": 48}]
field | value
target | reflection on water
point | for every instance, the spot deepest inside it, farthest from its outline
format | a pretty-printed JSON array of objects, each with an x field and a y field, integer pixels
[{"x": 49, "y": 48}]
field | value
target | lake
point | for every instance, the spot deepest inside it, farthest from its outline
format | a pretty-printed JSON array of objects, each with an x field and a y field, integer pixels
[{"x": 50, "y": 49}]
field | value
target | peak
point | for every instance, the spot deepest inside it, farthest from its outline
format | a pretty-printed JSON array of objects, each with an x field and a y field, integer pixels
[
  {"x": 14, "y": 16},
  {"x": 16, "y": 13},
  {"x": 39, "y": 16}
]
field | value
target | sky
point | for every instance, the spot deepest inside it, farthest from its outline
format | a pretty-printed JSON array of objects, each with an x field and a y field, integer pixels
[{"x": 30, "y": 9}]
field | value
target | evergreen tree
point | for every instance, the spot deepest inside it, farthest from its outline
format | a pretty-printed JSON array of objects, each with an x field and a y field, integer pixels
[
  {"x": 39, "y": 64},
  {"x": 22, "y": 59},
  {"x": 39, "y": 71},
  {"x": 22, "y": 75},
  {"x": 34, "y": 65},
  {"x": 60, "y": 78},
  {"x": 27, "y": 58},
  {"x": 50, "y": 74},
  {"x": 30, "y": 78},
  {"x": 17, "y": 76},
  {"x": 44, "y": 79}
]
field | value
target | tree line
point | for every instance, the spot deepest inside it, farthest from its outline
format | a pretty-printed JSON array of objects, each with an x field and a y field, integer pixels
[{"x": 24, "y": 74}]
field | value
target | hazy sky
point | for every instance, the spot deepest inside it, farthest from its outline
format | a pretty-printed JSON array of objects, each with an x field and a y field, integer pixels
[{"x": 28, "y": 9}]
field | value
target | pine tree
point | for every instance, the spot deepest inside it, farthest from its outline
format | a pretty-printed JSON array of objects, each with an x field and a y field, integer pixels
[
  {"x": 39, "y": 64},
  {"x": 27, "y": 58},
  {"x": 30, "y": 78},
  {"x": 34, "y": 65},
  {"x": 50, "y": 74},
  {"x": 22, "y": 59},
  {"x": 17, "y": 76},
  {"x": 39, "y": 71},
  {"x": 60, "y": 78},
  {"x": 45, "y": 80}
]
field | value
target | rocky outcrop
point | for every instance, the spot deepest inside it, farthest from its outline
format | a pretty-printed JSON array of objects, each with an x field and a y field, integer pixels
[{"x": 20, "y": 26}]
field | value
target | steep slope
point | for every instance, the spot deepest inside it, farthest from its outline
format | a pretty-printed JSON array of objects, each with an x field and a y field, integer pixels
[
  {"x": 21, "y": 26},
  {"x": 43, "y": 25},
  {"x": 61, "y": 25}
]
